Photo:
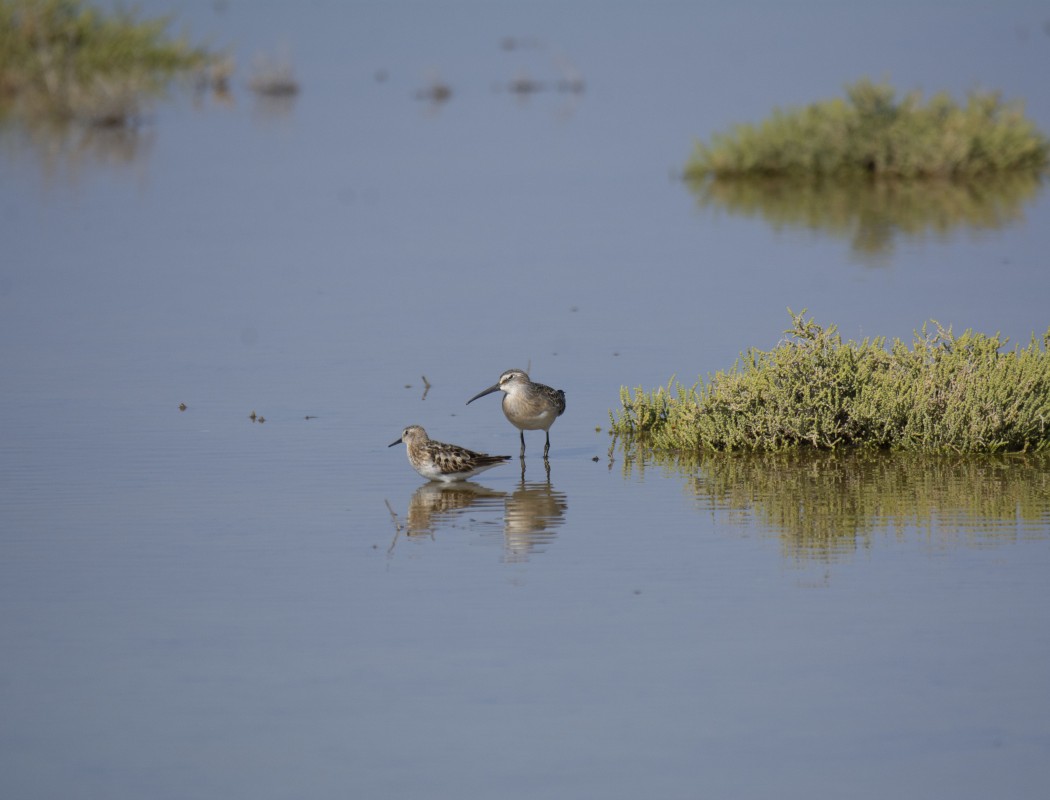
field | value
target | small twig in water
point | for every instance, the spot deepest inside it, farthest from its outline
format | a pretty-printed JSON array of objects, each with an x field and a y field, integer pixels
[{"x": 397, "y": 526}]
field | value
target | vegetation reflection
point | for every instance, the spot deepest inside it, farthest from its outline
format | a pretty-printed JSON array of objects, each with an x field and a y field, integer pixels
[
  {"x": 873, "y": 214},
  {"x": 872, "y": 167},
  {"x": 826, "y": 505}
]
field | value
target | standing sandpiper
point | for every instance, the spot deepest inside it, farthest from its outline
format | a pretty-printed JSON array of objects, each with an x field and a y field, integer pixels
[
  {"x": 529, "y": 406},
  {"x": 444, "y": 462}
]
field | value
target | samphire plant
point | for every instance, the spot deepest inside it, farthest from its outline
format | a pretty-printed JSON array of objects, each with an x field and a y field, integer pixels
[
  {"x": 67, "y": 58},
  {"x": 872, "y": 133},
  {"x": 943, "y": 393}
]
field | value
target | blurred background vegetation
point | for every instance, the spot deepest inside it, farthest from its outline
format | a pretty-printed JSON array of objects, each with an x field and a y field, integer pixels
[
  {"x": 872, "y": 133},
  {"x": 67, "y": 60},
  {"x": 872, "y": 169}
]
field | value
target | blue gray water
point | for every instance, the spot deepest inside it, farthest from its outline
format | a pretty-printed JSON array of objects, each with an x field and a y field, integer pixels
[{"x": 196, "y": 605}]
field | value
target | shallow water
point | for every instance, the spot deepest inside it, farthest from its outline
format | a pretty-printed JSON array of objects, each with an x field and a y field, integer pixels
[{"x": 196, "y": 604}]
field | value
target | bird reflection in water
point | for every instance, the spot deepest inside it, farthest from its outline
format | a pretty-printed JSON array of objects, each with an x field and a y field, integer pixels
[
  {"x": 531, "y": 514},
  {"x": 437, "y": 505}
]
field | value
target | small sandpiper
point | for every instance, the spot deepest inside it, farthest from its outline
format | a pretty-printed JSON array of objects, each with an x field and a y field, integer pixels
[
  {"x": 438, "y": 461},
  {"x": 529, "y": 406}
]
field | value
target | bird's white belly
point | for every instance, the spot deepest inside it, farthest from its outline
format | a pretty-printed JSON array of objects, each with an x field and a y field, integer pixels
[{"x": 529, "y": 419}]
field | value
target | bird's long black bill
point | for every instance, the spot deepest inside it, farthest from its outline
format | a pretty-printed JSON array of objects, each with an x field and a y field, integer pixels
[
  {"x": 490, "y": 390},
  {"x": 393, "y": 443}
]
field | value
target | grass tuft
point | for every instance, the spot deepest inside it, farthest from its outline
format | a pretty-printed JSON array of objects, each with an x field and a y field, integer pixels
[
  {"x": 945, "y": 393},
  {"x": 873, "y": 133},
  {"x": 67, "y": 59}
]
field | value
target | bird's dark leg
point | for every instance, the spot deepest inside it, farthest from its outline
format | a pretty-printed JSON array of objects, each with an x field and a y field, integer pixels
[
  {"x": 547, "y": 447},
  {"x": 522, "y": 444}
]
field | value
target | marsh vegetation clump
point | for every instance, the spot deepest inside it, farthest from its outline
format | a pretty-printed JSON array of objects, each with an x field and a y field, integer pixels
[
  {"x": 872, "y": 133},
  {"x": 944, "y": 393},
  {"x": 65, "y": 59}
]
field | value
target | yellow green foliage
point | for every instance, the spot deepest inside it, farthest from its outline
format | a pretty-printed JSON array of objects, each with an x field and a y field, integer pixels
[
  {"x": 62, "y": 57},
  {"x": 872, "y": 133},
  {"x": 944, "y": 393}
]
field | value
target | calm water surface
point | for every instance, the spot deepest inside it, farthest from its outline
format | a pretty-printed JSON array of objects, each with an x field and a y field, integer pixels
[{"x": 196, "y": 605}]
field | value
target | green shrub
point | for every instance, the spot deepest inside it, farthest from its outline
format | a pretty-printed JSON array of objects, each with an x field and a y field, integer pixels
[
  {"x": 945, "y": 393},
  {"x": 871, "y": 133},
  {"x": 65, "y": 58}
]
